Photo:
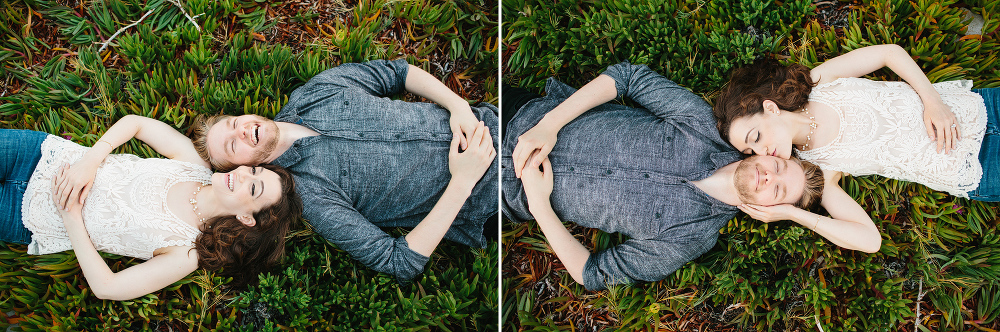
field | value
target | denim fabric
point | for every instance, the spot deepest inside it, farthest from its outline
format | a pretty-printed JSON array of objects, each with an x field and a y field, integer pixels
[
  {"x": 989, "y": 154},
  {"x": 628, "y": 170},
  {"x": 20, "y": 151},
  {"x": 378, "y": 163}
]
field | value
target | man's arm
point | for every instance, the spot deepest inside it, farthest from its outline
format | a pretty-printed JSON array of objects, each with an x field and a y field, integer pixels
[
  {"x": 462, "y": 121},
  {"x": 538, "y": 188},
  {"x": 646, "y": 260},
  {"x": 536, "y": 143},
  {"x": 656, "y": 93},
  {"x": 333, "y": 217},
  {"x": 466, "y": 168}
]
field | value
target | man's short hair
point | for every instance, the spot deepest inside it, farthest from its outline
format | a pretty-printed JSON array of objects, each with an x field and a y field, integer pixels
[
  {"x": 201, "y": 126},
  {"x": 812, "y": 192}
]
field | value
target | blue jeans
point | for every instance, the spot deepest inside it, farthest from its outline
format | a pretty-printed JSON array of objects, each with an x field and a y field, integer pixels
[
  {"x": 989, "y": 155},
  {"x": 20, "y": 151}
]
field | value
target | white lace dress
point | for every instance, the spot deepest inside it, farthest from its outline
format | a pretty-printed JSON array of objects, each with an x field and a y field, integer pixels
[
  {"x": 882, "y": 132},
  {"x": 126, "y": 211}
]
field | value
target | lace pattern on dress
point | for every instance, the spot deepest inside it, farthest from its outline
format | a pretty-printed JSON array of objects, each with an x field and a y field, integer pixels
[
  {"x": 882, "y": 132},
  {"x": 126, "y": 211}
]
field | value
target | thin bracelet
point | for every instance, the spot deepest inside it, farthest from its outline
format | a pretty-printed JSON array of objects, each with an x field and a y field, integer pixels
[
  {"x": 105, "y": 142},
  {"x": 817, "y": 223}
]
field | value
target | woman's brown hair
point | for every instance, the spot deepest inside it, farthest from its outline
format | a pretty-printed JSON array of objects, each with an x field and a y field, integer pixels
[
  {"x": 242, "y": 251},
  {"x": 751, "y": 85}
]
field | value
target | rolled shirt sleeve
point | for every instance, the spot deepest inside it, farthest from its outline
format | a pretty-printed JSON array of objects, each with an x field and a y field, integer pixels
[
  {"x": 643, "y": 260},
  {"x": 345, "y": 227},
  {"x": 377, "y": 77},
  {"x": 656, "y": 93}
]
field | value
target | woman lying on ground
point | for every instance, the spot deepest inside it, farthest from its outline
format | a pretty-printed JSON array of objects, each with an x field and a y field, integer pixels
[
  {"x": 174, "y": 213},
  {"x": 941, "y": 135}
]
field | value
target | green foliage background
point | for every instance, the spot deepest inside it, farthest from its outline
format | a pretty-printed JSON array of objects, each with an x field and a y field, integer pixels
[
  {"x": 246, "y": 58},
  {"x": 940, "y": 257}
]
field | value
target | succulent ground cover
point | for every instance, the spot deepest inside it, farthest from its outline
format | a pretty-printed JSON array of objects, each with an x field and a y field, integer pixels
[
  {"x": 72, "y": 68},
  {"x": 939, "y": 265}
]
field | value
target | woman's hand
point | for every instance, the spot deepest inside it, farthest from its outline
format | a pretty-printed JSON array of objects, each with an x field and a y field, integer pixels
[
  {"x": 463, "y": 124},
  {"x": 72, "y": 210},
  {"x": 469, "y": 166},
  {"x": 770, "y": 213},
  {"x": 942, "y": 125},
  {"x": 533, "y": 147},
  {"x": 538, "y": 184},
  {"x": 74, "y": 182}
]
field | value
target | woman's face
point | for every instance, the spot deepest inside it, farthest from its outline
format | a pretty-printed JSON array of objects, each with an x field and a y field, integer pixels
[
  {"x": 761, "y": 134},
  {"x": 246, "y": 190}
]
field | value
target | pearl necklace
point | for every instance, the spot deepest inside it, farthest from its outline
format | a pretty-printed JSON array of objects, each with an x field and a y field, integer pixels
[
  {"x": 194, "y": 202},
  {"x": 812, "y": 127}
]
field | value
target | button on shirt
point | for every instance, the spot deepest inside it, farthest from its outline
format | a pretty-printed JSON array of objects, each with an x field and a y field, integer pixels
[
  {"x": 629, "y": 170},
  {"x": 377, "y": 163}
]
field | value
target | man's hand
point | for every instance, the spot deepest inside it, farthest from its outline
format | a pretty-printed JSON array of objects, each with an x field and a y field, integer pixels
[
  {"x": 73, "y": 210},
  {"x": 538, "y": 185},
  {"x": 74, "y": 182},
  {"x": 469, "y": 166},
  {"x": 463, "y": 124},
  {"x": 769, "y": 213},
  {"x": 533, "y": 147}
]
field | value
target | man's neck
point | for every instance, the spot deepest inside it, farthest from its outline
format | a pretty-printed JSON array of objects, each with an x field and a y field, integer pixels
[
  {"x": 720, "y": 185},
  {"x": 288, "y": 134}
]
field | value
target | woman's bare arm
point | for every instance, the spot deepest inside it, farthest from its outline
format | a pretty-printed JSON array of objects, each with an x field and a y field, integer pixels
[
  {"x": 136, "y": 281},
  {"x": 938, "y": 118},
  {"x": 160, "y": 136},
  {"x": 848, "y": 225}
]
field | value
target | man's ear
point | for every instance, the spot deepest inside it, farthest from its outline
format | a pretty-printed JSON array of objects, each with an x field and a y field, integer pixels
[
  {"x": 247, "y": 220},
  {"x": 771, "y": 107}
]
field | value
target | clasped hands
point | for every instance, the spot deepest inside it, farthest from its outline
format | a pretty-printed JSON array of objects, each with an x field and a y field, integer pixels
[{"x": 468, "y": 164}]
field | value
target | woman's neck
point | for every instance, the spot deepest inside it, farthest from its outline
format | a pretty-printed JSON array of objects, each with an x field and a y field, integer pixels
[
  {"x": 800, "y": 125},
  {"x": 208, "y": 206}
]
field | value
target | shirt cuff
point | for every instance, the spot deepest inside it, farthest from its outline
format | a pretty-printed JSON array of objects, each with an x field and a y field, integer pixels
[{"x": 408, "y": 263}]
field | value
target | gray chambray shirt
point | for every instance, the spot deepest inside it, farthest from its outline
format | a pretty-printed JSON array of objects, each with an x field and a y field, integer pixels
[
  {"x": 377, "y": 163},
  {"x": 628, "y": 170}
]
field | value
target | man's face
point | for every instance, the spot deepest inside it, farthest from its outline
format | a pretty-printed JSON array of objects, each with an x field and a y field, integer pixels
[
  {"x": 767, "y": 180},
  {"x": 242, "y": 140}
]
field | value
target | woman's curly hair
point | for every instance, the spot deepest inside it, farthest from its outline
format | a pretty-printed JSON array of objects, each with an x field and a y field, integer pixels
[
  {"x": 242, "y": 252},
  {"x": 750, "y": 86}
]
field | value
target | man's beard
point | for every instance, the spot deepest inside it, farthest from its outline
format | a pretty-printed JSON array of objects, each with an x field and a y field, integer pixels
[
  {"x": 265, "y": 151},
  {"x": 744, "y": 178}
]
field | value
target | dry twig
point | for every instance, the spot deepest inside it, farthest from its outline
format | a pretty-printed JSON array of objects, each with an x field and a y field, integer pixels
[{"x": 103, "y": 46}]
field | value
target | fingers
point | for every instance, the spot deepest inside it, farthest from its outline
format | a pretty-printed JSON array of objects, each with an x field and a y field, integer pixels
[
  {"x": 520, "y": 157},
  {"x": 488, "y": 144},
  {"x": 477, "y": 135},
  {"x": 487, "y": 140},
  {"x": 57, "y": 189},
  {"x": 547, "y": 169},
  {"x": 939, "y": 138},
  {"x": 84, "y": 193},
  {"x": 541, "y": 154},
  {"x": 949, "y": 136},
  {"x": 956, "y": 135},
  {"x": 455, "y": 142}
]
